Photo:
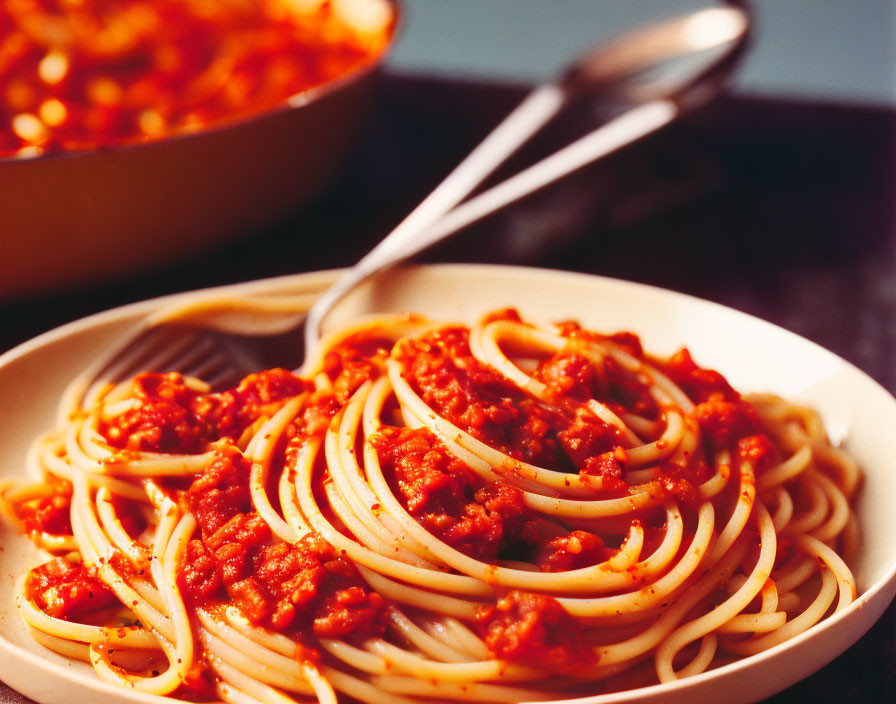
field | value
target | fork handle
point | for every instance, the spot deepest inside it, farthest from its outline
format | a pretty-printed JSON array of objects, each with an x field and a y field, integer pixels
[
  {"x": 434, "y": 219},
  {"x": 536, "y": 110}
]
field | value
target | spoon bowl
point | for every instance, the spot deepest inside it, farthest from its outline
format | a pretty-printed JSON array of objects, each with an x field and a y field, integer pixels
[{"x": 225, "y": 333}]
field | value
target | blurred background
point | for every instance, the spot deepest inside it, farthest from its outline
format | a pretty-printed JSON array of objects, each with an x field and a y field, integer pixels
[
  {"x": 777, "y": 199},
  {"x": 838, "y": 50}
]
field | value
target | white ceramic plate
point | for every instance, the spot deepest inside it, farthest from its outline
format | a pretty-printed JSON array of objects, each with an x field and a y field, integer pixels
[{"x": 754, "y": 355}]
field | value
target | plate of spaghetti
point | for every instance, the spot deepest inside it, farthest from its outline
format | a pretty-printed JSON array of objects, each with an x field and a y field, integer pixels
[{"x": 486, "y": 484}]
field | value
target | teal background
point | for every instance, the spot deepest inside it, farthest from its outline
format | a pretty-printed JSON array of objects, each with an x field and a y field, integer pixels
[{"x": 839, "y": 50}]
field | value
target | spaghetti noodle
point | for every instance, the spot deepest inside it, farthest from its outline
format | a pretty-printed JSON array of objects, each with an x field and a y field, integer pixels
[{"x": 501, "y": 512}]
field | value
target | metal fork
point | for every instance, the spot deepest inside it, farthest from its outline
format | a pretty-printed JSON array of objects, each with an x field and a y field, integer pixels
[
  {"x": 222, "y": 340},
  {"x": 216, "y": 338}
]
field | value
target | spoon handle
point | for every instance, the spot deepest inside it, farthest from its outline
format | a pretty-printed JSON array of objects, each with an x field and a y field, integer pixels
[
  {"x": 437, "y": 220},
  {"x": 536, "y": 110},
  {"x": 440, "y": 214},
  {"x": 629, "y": 127}
]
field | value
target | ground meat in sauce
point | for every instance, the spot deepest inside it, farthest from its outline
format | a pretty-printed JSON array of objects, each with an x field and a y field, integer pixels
[
  {"x": 726, "y": 420},
  {"x": 163, "y": 419},
  {"x": 609, "y": 466},
  {"x": 274, "y": 584},
  {"x": 698, "y": 383},
  {"x": 570, "y": 376},
  {"x": 49, "y": 514},
  {"x": 200, "y": 573},
  {"x": 68, "y": 590},
  {"x": 484, "y": 521},
  {"x": 221, "y": 491},
  {"x": 282, "y": 586},
  {"x": 723, "y": 423},
  {"x": 533, "y": 629},
  {"x": 436, "y": 489},
  {"x": 759, "y": 451},
  {"x": 574, "y": 551},
  {"x": 681, "y": 482},
  {"x": 171, "y": 417},
  {"x": 237, "y": 545},
  {"x": 559, "y": 436},
  {"x": 354, "y": 361},
  {"x": 258, "y": 395},
  {"x": 459, "y": 388},
  {"x": 428, "y": 476},
  {"x": 588, "y": 436},
  {"x": 312, "y": 421},
  {"x": 496, "y": 521}
]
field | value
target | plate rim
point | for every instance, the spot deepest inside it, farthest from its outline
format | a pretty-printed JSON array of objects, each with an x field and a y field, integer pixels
[{"x": 876, "y": 596}]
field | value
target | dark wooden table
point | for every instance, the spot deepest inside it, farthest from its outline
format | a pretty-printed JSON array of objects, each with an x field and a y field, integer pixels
[{"x": 781, "y": 209}]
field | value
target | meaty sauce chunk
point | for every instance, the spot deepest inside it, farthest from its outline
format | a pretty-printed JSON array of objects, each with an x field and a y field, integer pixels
[
  {"x": 171, "y": 416},
  {"x": 533, "y": 629},
  {"x": 569, "y": 376},
  {"x": 608, "y": 381},
  {"x": 256, "y": 396},
  {"x": 355, "y": 360},
  {"x": 447, "y": 499},
  {"x": 727, "y": 421},
  {"x": 162, "y": 420},
  {"x": 47, "y": 514},
  {"x": 68, "y": 590},
  {"x": 278, "y": 585},
  {"x": 482, "y": 520},
  {"x": 559, "y": 435}
]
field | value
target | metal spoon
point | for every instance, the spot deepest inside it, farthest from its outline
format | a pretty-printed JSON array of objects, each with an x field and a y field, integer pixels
[
  {"x": 231, "y": 339},
  {"x": 612, "y": 66}
]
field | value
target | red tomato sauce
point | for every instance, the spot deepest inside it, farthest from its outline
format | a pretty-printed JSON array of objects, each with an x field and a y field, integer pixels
[
  {"x": 484, "y": 521},
  {"x": 698, "y": 383},
  {"x": 77, "y": 75},
  {"x": 354, "y": 361},
  {"x": 727, "y": 421},
  {"x": 278, "y": 585},
  {"x": 68, "y": 590},
  {"x": 534, "y": 629},
  {"x": 562, "y": 435},
  {"x": 49, "y": 514},
  {"x": 606, "y": 381},
  {"x": 309, "y": 588},
  {"x": 172, "y": 417}
]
